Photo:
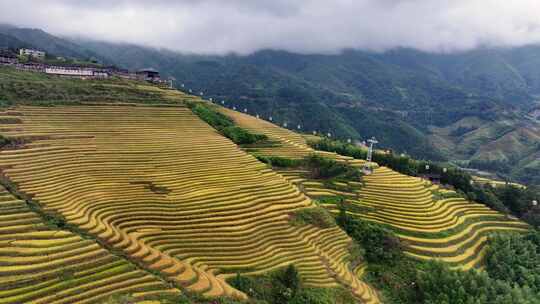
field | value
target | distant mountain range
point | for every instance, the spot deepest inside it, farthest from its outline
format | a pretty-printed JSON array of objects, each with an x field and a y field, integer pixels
[{"x": 479, "y": 108}]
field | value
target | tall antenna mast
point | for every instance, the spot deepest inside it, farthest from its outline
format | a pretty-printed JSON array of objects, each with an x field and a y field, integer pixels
[{"x": 371, "y": 142}]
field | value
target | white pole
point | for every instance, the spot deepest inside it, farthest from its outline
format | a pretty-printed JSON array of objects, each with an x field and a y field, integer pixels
[{"x": 371, "y": 141}]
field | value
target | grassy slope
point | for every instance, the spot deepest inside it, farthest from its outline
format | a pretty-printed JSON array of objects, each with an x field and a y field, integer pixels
[{"x": 18, "y": 87}]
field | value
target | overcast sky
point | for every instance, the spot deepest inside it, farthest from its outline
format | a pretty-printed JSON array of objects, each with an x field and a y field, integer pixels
[{"x": 307, "y": 26}]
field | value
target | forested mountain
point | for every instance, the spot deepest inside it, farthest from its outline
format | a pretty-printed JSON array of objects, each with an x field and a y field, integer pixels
[
  {"x": 44, "y": 41},
  {"x": 11, "y": 42},
  {"x": 477, "y": 108}
]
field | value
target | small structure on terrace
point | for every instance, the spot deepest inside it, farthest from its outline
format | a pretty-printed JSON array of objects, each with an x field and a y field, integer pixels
[
  {"x": 76, "y": 72},
  {"x": 148, "y": 74}
]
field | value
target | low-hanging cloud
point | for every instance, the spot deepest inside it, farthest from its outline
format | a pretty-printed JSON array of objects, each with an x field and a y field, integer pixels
[{"x": 307, "y": 26}]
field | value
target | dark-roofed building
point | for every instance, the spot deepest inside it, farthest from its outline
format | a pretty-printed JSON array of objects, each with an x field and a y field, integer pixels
[
  {"x": 7, "y": 57},
  {"x": 148, "y": 74}
]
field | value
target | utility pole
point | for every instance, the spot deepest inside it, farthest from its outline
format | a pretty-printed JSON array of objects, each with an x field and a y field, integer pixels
[{"x": 371, "y": 142}]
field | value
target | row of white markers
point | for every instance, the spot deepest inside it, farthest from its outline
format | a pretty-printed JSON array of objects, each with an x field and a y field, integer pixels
[{"x": 285, "y": 125}]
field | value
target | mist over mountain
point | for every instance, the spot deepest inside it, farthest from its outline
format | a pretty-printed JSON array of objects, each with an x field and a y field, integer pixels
[
  {"x": 306, "y": 27},
  {"x": 477, "y": 107}
]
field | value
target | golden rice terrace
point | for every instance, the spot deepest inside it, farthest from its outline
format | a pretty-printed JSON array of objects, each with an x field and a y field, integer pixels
[
  {"x": 167, "y": 204},
  {"x": 135, "y": 199},
  {"x": 432, "y": 222}
]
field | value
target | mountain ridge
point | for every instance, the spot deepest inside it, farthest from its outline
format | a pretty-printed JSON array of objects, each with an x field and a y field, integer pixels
[{"x": 403, "y": 97}]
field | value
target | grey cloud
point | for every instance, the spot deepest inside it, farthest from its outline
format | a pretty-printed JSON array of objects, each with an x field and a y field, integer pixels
[{"x": 308, "y": 26}]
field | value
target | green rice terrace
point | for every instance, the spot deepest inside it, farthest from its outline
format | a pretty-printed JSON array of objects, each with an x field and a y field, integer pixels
[{"x": 115, "y": 191}]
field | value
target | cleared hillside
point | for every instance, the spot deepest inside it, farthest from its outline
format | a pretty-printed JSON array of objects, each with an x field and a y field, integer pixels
[
  {"x": 433, "y": 223},
  {"x": 167, "y": 190}
]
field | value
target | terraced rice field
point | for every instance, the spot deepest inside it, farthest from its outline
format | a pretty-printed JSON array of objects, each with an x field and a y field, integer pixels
[
  {"x": 39, "y": 264},
  {"x": 450, "y": 229},
  {"x": 288, "y": 143},
  {"x": 432, "y": 227},
  {"x": 172, "y": 194}
]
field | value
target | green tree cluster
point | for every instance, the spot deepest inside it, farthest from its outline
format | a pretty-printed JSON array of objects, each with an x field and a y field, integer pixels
[
  {"x": 281, "y": 162},
  {"x": 285, "y": 286},
  {"x": 512, "y": 273},
  {"x": 316, "y": 216},
  {"x": 225, "y": 125},
  {"x": 515, "y": 259},
  {"x": 324, "y": 168},
  {"x": 380, "y": 244}
]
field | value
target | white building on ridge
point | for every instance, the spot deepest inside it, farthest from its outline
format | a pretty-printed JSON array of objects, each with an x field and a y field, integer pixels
[
  {"x": 76, "y": 71},
  {"x": 32, "y": 53}
]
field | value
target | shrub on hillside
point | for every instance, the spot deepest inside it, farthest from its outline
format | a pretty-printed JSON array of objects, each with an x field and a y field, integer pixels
[
  {"x": 317, "y": 216},
  {"x": 241, "y": 136},
  {"x": 211, "y": 117},
  {"x": 4, "y": 141},
  {"x": 324, "y": 168},
  {"x": 281, "y": 162},
  {"x": 274, "y": 288},
  {"x": 380, "y": 244},
  {"x": 225, "y": 125},
  {"x": 323, "y": 296}
]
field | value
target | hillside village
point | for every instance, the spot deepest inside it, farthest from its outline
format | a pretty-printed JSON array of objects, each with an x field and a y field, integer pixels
[{"x": 36, "y": 61}]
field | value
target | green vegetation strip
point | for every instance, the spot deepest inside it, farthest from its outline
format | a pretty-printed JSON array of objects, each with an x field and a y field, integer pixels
[
  {"x": 319, "y": 167},
  {"x": 225, "y": 125}
]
